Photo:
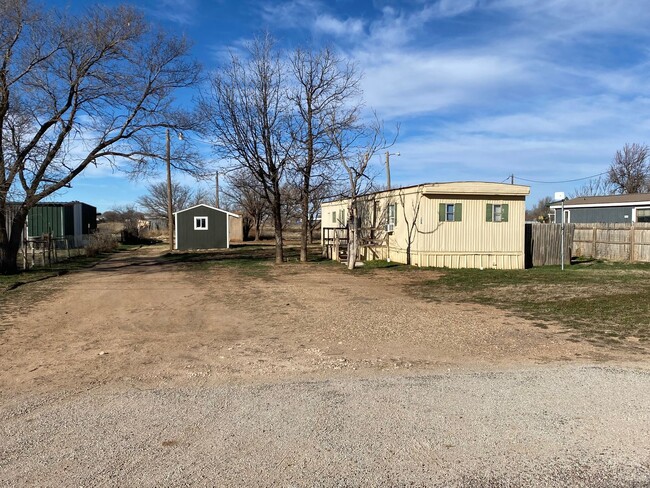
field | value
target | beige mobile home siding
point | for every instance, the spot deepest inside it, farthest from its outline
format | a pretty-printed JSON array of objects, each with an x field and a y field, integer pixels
[{"x": 471, "y": 243}]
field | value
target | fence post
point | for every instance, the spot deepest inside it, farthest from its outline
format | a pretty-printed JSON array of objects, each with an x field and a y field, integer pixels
[
  {"x": 25, "y": 262},
  {"x": 632, "y": 243},
  {"x": 595, "y": 243}
]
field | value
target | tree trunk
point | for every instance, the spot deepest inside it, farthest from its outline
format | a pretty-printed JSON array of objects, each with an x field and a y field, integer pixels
[
  {"x": 304, "y": 228},
  {"x": 9, "y": 245},
  {"x": 277, "y": 222},
  {"x": 353, "y": 240},
  {"x": 258, "y": 229},
  {"x": 279, "y": 251}
]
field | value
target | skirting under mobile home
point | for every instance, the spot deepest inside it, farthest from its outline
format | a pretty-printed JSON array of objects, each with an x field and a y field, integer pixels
[{"x": 454, "y": 225}]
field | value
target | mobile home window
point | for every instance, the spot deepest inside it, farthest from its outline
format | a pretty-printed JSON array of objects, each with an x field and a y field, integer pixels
[
  {"x": 496, "y": 212},
  {"x": 200, "y": 223},
  {"x": 392, "y": 213},
  {"x": 450, "y": 212}
]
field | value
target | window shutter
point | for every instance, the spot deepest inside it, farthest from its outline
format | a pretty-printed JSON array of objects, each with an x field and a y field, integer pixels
[
  {"x": 504, "y": 212},
  {"x": 458, "y": 212},
  {"x": 441, "y": 212},
  {"x": 488, "y": 213}
]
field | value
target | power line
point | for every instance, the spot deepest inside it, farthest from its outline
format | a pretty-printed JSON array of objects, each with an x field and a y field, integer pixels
[{"x": 557, "y": 182}]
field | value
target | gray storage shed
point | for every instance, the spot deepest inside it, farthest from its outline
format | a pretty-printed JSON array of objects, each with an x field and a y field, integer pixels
[{"x": 202, "y": 227}]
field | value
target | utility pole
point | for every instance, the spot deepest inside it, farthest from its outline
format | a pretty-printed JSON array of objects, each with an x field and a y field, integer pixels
[
  {"x": 512, "y": 179},
  {"x": 388, "y": 170},
  {"x": 216, "y": 201},
  {"x": 388, "y": 155},
  {"x": 170, "y": 216}
]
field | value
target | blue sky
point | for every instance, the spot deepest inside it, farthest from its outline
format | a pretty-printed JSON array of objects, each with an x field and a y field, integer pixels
[{"x": 545, "y": 90}]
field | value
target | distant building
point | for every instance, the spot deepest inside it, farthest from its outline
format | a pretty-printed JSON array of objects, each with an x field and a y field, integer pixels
[
  {"x": 610, "y": 209},
  {"x": 73, "y": 221}
]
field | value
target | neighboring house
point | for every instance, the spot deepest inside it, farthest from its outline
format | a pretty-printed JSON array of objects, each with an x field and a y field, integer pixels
[
  {"x": 610, "y": 209},
  {"x": 203, "y": 227},
  {"x": 458, "y": 225},
  {"x": 73, "y": 221}
]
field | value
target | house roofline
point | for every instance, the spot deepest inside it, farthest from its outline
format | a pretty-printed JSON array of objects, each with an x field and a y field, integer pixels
[
  {"x": 208, "y": 206},
  {"x": 557, "y": 206}
]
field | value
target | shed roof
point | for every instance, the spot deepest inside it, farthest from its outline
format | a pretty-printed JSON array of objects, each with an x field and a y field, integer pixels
[
  {"x": 210, "y": 207},
  {"x": 607, "y": 201}
]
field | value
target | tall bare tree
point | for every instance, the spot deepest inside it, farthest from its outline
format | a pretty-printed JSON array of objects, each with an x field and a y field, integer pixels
[
  {"x": 248, "y": 116},
  {"x": 75, "y": 91},
  {"x": 630, "y": 169},
  {"x": 324, "y": 99},
  {"x": 183, "y": 196}
]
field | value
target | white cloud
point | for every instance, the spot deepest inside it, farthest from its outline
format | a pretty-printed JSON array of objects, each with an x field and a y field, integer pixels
[
  {"x": 327, "y": 24},
  {"x": 406, "y": 84},
  {"x": 182, "y": 12},
  {"x": 450, "y": 8}
]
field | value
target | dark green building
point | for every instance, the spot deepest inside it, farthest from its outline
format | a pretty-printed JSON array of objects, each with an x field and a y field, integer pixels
[
  {"x": 73, "y": 221},
  {"x": 202, "y": 227}
]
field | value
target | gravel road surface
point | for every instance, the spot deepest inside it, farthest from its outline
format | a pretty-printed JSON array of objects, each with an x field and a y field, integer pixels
[{"x": 569, "y": 425}]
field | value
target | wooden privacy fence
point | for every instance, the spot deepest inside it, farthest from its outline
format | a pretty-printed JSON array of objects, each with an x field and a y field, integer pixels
[
  {"x": 543, "y": 244},
  {"x": 613, "y": 242}
]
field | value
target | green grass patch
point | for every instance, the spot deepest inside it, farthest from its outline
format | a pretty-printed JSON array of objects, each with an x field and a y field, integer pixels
[{"x": 602, "y": 301}]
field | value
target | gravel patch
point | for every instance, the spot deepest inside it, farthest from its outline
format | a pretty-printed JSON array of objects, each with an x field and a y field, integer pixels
[{"x": 570, "y": 425}]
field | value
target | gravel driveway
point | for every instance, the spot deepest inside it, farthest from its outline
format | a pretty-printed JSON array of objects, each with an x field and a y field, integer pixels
[{"x": 543, "y": 426}]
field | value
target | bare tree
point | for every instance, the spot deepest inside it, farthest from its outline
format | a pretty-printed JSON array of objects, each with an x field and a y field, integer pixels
[
  {"x": 630, "y": 169},
  {"x": 183, "y": 196},
  {"x": 356, "y": 144},
  {"x": 291, "y": 199},
  {"x": 540, "y": 211},
  {"x": 594, "y": 187},
  {"x": 75, "y": 91},
  {"x": 246, "y": 195},
  {"x": 247, "y": 114},
  {"x": 323, "y": 99}
]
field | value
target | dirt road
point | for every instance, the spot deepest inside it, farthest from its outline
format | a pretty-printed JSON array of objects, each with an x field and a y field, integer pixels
[{"x": 144, "y": 372}]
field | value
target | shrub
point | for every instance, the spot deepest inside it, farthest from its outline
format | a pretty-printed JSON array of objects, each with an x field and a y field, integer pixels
[{"x": 100, "y": 242}]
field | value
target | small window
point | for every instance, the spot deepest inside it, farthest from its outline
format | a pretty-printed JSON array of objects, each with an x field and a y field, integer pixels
[
  {"x": 392, "y": 213},
  {"x": 342, "y": 217},
  {"x": 450, "y": 212},
  {"x": 200, "y": 223},
  {"x": 334, "y": 217},
  {"x": 496, "y": 212},
  {"x": 643, "y": 215}
]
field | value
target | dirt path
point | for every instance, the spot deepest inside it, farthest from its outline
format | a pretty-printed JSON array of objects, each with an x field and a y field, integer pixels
[
  {"x": 133, "y": 320},
  {"x": 142, "y": 373}
]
